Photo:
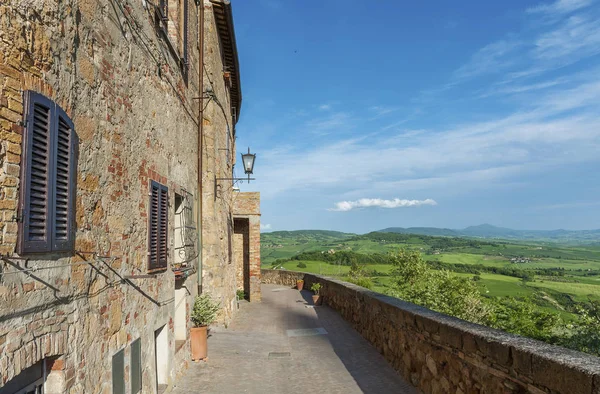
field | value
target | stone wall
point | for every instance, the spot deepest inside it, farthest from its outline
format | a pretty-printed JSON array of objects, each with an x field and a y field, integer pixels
[
  {"x": 218, "y": 151},
  {"x": 442, "y": 354},
  {"x": 246, "y": 210},
  {"x": 121, "y": 82}
]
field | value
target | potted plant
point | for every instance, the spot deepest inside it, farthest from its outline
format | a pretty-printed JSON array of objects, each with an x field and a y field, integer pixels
[
  {"x": 317, "y": 298},
  {"x": 204, "y": 312},
  {"x": 299, "y": 284}
]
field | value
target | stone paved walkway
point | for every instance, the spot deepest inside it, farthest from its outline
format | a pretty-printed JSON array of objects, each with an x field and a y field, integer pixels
[{"x": 273, "y": 347}]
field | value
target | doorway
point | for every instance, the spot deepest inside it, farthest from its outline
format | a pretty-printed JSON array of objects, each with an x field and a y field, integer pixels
[
  {"x": 180, "y": 323},
  {"x": 161, "y": 352},
  {"x": 241, "y": 232}
]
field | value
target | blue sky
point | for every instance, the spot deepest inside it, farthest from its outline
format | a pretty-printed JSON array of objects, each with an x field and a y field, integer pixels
[{"x": 366, "y": 115}]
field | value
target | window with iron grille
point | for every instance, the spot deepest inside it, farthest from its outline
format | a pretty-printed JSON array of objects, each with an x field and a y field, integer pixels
[
  {"x": 158, "y": 227},
  {"x": 48, "y": 174}
]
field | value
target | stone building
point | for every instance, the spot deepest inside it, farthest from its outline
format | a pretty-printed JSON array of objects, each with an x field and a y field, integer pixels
[
  {"x": 117, "y": 119},
  {"x": 246, "y": 216}
]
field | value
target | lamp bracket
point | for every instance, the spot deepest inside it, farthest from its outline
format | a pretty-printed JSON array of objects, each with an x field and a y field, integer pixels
[{"x": 230, "y": 179}]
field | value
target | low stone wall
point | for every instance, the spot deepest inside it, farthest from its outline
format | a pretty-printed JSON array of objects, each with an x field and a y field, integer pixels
[{"x": 442, "y": 354}]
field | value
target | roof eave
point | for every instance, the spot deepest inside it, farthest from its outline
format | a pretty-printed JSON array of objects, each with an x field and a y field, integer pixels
[{"x": 229, "y": 31}]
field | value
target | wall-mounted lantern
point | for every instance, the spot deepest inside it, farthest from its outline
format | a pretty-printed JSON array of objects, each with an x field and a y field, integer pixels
[{"x": 248, "y": 163}]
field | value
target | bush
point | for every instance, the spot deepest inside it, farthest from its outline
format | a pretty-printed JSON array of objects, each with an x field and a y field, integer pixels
[
  {"x": 301, "y": 265},
  {"x": 241, "y": 295},
  {"x": 205, "y": 310},
  {"x": 361, "y": 281}
]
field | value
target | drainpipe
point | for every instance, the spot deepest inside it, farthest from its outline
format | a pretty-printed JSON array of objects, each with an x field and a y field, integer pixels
[{"x": 200, "y": 136}]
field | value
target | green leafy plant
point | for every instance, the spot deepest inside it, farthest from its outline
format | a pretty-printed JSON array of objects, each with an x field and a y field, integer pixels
[
  {"x": 241, "y": 295},
  {"x": 301, "y": 265},
  {"x": 316, "y": 288},
  {"x": 205, "y": 310}
]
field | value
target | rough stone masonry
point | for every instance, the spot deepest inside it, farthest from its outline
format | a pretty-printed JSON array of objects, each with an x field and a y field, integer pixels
[{"x": 131, "y": 88}]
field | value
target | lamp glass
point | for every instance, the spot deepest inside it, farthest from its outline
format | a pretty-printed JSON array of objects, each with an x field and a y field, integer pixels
[{"x": 248, "y": 161}]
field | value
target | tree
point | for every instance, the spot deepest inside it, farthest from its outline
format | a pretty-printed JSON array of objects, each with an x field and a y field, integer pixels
[{"x": 414, "y": 281}]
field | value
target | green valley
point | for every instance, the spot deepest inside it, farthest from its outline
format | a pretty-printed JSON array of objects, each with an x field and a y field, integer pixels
[{"x": 555, "y": 285}]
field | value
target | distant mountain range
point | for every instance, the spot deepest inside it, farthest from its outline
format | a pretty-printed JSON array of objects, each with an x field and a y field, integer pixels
[{"x": 489, "y": 231}]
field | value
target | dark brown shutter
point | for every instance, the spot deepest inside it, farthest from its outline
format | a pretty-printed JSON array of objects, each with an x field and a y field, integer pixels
[
  {"x": 163, "y": 227},
  {"x": 153, "y": 226},
  {"x": 48, "y": 174},
  {"x": 34, "y": 234},
  {"x": 158, "y": 227},
  {"x": 65, "y": 146}
]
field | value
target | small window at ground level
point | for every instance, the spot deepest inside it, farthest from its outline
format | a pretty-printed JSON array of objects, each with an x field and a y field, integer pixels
[
  {"x": 29, "y": 381},
  {"x": 118, "y": 373},
  {"x": 136, "y": 366}
]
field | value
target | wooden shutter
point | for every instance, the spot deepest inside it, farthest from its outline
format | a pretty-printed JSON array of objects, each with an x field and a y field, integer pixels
[
  {"x": 163, "y": 227},
  {"x": 153, "y": 226},
  {"x": 158, "y": 227},
  {"x": 65, "y": 145},
  {"x": 48, "y": 174},
  {"x": 36, "y": 200}
]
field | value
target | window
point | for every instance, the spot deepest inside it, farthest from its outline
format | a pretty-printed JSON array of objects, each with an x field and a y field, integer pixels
[
  {"x": 184, "y": 229},
  {"x": 158, "y": 227},
  {"x": 184, "y": 35},
  {"x": 48, "y": 173},
  {"x": 136, "y": 366},
  {"x": 230, "y": 238},
  {"x": 29, "y": 381},
  {"x": 118, "y": 373},
  {"x": 172, "y": 22}
]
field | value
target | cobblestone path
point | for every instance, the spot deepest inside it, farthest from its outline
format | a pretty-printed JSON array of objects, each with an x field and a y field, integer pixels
[{"x": 283, "y": 345}]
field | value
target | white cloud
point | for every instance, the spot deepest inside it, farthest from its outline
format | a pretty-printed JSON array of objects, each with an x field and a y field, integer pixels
[
  {"x": 334, "y": 122},
  {"x": 325, "y": 107},
  {"x": 492, "y": 58},
  {"x": 265, "y": 226},
  {"x": 344, "y": 206},
  {"x": 576, "y": 38},
  {"x": 380, "y": 111},
  {"x": 557, "y": 128},
  {"x": 559, "y": 7}
]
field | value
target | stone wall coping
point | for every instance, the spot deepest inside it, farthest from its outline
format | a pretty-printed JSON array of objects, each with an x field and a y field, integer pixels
[{"x": 499, "y": 344}]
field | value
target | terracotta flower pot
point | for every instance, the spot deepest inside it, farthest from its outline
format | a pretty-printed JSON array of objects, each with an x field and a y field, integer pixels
[
  {"x": 299, "y": 284},
  {"x": 198, "y": 343},
  {"x": 317, "y": 300}
]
